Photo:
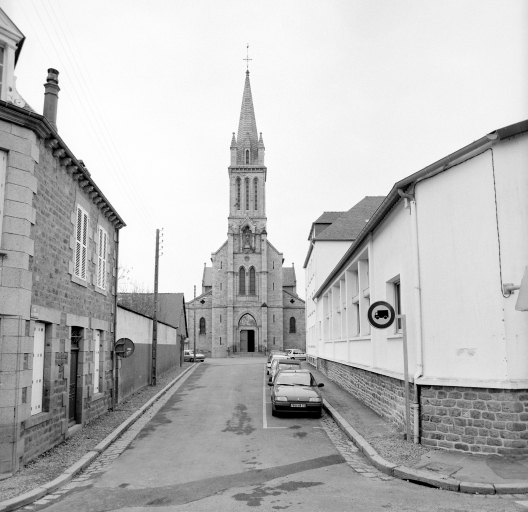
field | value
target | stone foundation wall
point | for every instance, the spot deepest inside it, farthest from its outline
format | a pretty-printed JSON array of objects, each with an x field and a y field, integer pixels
[
  {"x": 384, "y": 395},
  {"x": 475, "y": 420}
]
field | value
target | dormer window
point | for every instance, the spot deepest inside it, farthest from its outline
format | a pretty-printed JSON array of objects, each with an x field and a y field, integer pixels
[
  {"x": 10, "y": 38},
  {"x": 247, "y": 156}
]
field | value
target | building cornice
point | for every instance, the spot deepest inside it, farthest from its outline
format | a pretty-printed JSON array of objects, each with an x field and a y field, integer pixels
[{"x": 52, "y": 140}]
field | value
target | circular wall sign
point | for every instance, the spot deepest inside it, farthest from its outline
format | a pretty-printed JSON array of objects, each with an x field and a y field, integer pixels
[
  {"x": 124, "y": 347},
  {"x": 381, "y": 315}
]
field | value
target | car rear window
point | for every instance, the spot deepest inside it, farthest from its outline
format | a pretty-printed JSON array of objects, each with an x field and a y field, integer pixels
[
  {"x": 288, "y": 366},
  {"x": 301, "y": 379}
]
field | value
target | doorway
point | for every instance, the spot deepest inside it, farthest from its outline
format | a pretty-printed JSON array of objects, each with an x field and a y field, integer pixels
[
  {"x": 247, "y": 341},
  {"x": 76, "y": 336}
]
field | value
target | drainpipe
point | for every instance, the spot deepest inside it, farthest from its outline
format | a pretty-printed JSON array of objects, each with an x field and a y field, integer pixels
[
  {"x": 417, "y": 309},
  {"x": 114, "y": 354}
]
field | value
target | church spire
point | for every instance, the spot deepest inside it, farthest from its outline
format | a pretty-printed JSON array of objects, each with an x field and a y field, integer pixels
[{"x": 247, "y": 136}]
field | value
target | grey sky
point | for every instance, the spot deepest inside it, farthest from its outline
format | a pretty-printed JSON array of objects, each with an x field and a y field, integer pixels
[{"x": 350, "y": 96}]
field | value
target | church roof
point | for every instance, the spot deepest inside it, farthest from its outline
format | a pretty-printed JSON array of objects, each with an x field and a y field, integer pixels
[
  {"x": 348, "y": 226},
  {"x": 207, "y": 279},
  {"x": 288, "y": 276},
  {"x": 247, "y": 126}
]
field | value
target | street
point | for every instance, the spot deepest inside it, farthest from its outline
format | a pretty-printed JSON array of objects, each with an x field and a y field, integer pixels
[{"x": 214, "y": 446}]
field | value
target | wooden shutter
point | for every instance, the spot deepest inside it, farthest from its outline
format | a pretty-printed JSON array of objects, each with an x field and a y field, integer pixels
[
  {"x": 37, "y": 385},
  {"x": 101, "y": 258},
  {"x": 81, "y": 243},
  {"x": 97, "y": 350}
]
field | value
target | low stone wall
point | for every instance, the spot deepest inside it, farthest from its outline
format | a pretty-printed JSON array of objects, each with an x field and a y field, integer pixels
[
  {"x": 475, "y": 420},
  {"x": 384, "y": 395}
]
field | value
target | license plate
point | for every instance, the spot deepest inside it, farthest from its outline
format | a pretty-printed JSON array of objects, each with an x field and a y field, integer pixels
[{"x": 298, "y": 405}]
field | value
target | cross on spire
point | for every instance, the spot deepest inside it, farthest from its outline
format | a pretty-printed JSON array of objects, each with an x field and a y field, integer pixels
[{"x": 247, "y": 59}]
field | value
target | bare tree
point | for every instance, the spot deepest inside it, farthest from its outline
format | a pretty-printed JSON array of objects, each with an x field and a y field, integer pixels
[{"x": 133, "y": 295}]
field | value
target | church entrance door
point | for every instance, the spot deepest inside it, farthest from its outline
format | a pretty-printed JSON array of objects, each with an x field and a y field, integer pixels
[{"x": 247, "y": 341}]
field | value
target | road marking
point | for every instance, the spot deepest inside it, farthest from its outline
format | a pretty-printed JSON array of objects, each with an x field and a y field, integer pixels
[
  {"x": 264, "y": 419},
  {"x": 522, "y": 503}
]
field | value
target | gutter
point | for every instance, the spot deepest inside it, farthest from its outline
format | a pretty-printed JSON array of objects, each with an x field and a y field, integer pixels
[{"x": 393, "y": 197}]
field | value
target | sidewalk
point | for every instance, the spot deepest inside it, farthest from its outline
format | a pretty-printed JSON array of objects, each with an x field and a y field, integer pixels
[{"x": 386, "y": 448}]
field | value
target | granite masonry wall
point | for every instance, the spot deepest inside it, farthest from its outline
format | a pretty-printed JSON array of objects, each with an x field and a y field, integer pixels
[{"x": 475, "y": 420}]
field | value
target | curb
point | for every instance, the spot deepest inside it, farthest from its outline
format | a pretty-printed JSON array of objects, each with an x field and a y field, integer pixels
[
  {"x": 86, "y": 460},
  {"x": 418, "y": 475}
]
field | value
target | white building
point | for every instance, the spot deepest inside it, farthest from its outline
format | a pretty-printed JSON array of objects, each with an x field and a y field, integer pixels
[
  {"x": 330, "y": 236},
  {"x": 440, "y": 249}
]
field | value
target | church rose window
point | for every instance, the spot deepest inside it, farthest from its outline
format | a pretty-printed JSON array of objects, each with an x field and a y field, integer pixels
[
  {"x": 255, "y": 183},
  {"x": 247, "y": 193},
  {"x": 202, "y": 325},
  {"x": 252, "y": 281},
  {"x": 238, "y": 193},
  {"x": 293, "y": 327},
  {"x": 242, "y": 281}
]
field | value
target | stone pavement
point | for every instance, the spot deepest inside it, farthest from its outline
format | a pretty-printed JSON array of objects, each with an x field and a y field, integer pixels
[{"x": 490, "y": 475}]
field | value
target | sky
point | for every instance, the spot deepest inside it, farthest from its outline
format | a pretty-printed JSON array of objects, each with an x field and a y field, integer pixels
[{"x": 350, "y": 96}]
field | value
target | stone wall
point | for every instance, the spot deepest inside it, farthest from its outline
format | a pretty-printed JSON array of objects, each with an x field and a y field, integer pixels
[
  {"x": 475, "y": 420},
  {"x": 384, "y": 395}
]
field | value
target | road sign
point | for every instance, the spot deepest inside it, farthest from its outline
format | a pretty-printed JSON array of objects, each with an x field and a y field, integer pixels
[
  {"x": 124, "y": 347},
  {"x": 381, "y": 315}
]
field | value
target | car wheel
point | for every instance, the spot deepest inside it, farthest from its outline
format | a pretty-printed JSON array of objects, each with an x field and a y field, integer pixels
[
  {"x": 192, "y": 360},
  {"x": 273, "y": 412},
  {"x": 318, "y": 414}
]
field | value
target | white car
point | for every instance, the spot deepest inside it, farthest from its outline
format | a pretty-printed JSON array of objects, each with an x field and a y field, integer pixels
[
  {"x": 188, "y": 355},
  {"x": 295, "y": 353}
]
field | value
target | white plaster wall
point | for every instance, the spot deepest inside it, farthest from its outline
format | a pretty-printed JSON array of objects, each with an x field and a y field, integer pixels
[{"x": 139, "y": 329}]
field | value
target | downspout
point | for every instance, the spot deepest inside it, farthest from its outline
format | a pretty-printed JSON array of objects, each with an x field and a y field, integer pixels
[
  {"x": 114, "y": 353},
  {"x": 417, "y": 309}
]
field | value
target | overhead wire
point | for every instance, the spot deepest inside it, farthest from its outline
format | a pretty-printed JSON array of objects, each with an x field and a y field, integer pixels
[
  {"x": 99, "y": 116},
  {"x": 100, "y": 143}
]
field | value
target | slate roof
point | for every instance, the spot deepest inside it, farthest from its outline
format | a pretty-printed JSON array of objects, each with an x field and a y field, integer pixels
[
  {"x": 326, "y": 218},
  {"x": 288, "y": 276},
  {"x": 349, "y": 225},
  {"x": 207, "y": 279}
]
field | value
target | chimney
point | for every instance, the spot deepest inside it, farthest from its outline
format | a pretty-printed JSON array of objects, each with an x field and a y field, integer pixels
[{"x": 51, "y": 97}]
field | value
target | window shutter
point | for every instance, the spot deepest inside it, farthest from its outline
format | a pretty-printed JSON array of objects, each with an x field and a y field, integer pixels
[
  {"x": 81, "y": 241},
  {"x": 101, "y": 258},
  {"x": 37, "y": 385}
]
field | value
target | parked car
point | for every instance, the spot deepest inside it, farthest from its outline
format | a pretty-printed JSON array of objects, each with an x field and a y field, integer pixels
[
  {"x": 295, "y": 353},
  {"x": 283, "y": 364},
  {"x": 188, "y": 355},
  {"x": 296, "y": 391},
  {"x": 276, "y": 355}
]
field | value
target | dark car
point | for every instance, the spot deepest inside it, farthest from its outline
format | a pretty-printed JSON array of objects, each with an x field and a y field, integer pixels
[
  {"x": 296, "y": 391},
  {"x": 283, "y": 364}
]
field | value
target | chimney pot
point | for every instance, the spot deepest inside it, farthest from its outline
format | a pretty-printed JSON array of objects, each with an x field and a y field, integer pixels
[{"x": 51, "y": 97}]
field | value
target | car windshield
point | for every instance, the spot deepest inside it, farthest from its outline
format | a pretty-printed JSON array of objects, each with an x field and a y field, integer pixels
[
  {"x": 289, "y": 366},
  {"x": 294, "y": 379}
]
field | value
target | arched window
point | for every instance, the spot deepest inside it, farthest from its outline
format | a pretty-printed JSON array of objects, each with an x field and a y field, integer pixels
[
  {"x": 252, "y": 287},
  {"x": 293, "y": 327},
  {"x": 242, "y": 281},
  {"x": 247, "y": 156},
  {"x": 202, "y": 325},
  {"x": 255, "y": 186},
  {"x": 238, "y": 193},
  {"x": 247, "y": 193}
]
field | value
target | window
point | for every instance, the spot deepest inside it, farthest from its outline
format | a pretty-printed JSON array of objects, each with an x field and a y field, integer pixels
[
  {"x": 238, "y": 193},
  {"x": 37, "y": 384},
  {"x": 293, "y": 327},
  {"x": 273, "y": 286},
  {"x": 220, "y": 265},
  {"x": 252, "y": 290},
  {"x": 101, "y": 258},
  {"x": 247, "y": 193},
  {"x": 220, "y": 340},
  {"x": 274, "y": 340},
  {"x": 220, "y": 286},
  {"x": 202, "y": 325},
  {"x": 397, "y": 305},
  {"x": 255, "y": 185},
  {"x": 242, "y": 281},
  {"x": 273, "y": 265},
  {"x": 247, "y": 156},
  {"x": 273, "y": 318},
  {"x": 220, "y": 318},
  {"x": 97, "y": 361},
  {"x": 81, "y": 243}
]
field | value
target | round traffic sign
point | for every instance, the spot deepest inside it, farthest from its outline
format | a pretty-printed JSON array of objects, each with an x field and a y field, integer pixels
[
  {"x": 381, "y": 315},
  {"x": 124, "y": 347}
]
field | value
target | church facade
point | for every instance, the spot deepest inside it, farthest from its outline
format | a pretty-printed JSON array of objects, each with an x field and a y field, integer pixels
[{"x": 249, "y": 301}]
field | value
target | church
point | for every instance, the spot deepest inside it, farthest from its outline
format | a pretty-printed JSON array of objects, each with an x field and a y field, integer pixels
[{"x": 249, "y": 301}]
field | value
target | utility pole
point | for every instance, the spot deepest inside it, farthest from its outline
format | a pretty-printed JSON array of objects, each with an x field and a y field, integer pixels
[
  {"x": 194, "y": 330},
  {"x": 155, "y": 317}
]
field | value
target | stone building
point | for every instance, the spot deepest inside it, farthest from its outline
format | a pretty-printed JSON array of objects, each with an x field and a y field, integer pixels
[
  {"x": 58, "y": 255},
  {"x": 249, "y": 301}
]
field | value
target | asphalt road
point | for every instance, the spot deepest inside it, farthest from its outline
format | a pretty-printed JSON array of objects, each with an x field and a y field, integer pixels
[{"x": 214, "y": 446}]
